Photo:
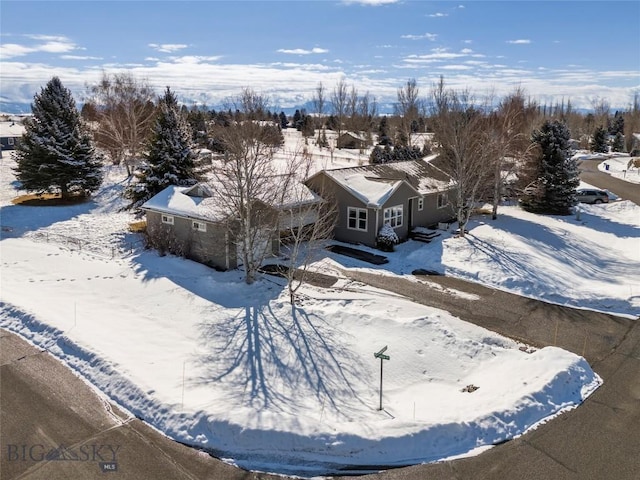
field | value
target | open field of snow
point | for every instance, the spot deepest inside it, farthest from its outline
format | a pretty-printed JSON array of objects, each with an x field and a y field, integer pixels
[{"x": 236, "y": 370}]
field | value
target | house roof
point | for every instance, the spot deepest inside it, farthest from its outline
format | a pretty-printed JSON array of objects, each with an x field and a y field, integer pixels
[
  {"x": 175, "y": 200},
  {"x": 354, "y": 135},
  {"x": 198, "y": 201},
  {"x": 375, "y": 184},
  {"x": 11, "y": 129}
]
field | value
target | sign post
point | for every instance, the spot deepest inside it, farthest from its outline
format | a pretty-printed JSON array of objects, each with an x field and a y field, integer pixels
[{"x": 382, "y": 358}]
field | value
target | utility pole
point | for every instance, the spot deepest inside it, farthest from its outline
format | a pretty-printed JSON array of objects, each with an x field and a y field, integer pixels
[{"x": 382, "y": 358}]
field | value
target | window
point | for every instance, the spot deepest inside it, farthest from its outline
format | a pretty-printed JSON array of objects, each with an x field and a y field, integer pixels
[
  {"x": 168, "y": 219},
  {"x": 420, "y": 203},
  {"x": 10, "y": 141},
  {"x": 443, "y": 200},
  {"x": 199, "y": 226},
  {"x": 393, "y": 216},
  {"x": 357, "y": 218}
]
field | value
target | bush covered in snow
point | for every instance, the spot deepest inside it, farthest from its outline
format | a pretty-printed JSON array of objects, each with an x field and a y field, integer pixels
[{"x": 386, "y": 238}]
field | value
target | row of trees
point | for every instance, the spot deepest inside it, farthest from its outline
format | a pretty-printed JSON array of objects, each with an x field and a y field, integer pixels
[
  {"x": 479, "y": 144},
  {"x": 57, "y": 155}
]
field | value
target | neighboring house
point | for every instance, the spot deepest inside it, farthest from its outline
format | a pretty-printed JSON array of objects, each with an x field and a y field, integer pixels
[
  {"x": 189, "y": 221},
  {"x": 351, "y": 140},
  {"x": 404, "y": 194},
  {"x": 10, "y": 133},
  {"x": 635, "y": 146}
]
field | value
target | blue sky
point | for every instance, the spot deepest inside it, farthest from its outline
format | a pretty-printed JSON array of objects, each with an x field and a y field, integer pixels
[{"x": 207, "y": 51}]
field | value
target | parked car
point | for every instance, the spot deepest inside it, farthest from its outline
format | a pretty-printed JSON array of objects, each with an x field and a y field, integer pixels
[{"x": 592, "y": 195}]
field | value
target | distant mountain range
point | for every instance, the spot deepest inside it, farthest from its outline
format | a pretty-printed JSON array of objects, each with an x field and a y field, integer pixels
[{"x": 383, "y": 108}]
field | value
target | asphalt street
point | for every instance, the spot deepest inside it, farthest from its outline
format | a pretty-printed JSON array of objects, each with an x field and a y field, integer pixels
[
  {"x": 54, "y": 426},
  {"x": 590, "y": 174}
]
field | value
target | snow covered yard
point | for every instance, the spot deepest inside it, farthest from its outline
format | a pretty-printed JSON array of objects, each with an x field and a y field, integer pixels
[{"x": 236, "y": 370}]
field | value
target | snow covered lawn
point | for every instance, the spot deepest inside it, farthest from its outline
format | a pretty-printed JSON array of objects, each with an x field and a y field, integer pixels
[{"x": 234, "y": 369}]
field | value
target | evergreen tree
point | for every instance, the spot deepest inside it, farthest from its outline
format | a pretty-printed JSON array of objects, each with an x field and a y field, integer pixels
[
  {"x": 598, "y": 142},
  {"x": 383, "y": 132},
  {"x": 170, "y": 159},
  {"x": 297, "y": 120},
  {"x": 323, "y": 141},
  {"x": 283, "y": 120},
  {"x": 56, "y": 153},
  {"x": 307, "y": 126},
  {"x": 618, "y": 143},
  {"x": 554, "y": 189}
]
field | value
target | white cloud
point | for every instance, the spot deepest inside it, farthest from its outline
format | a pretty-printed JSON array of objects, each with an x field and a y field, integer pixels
[
  {"x": 302, "y": 51},
  {"x": 438, "y": 15},
  {"x": 429, "y": 36},
  {"x": 521, "y": 41},
  {"x": 79, "y": 57},
  {"x": 441, "y": 54},
  {"x": 194, "y": 59},
  {"x": 455, "y": 67},
  {"x": 168, "y": 47},
  {"x": 44, "y": 43}
]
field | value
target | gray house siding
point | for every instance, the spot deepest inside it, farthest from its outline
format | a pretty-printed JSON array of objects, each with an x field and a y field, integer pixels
[
  {"x": 400, "y": 197},
  {"x": 212, "y": 247},
  {"x": 432, "y": 214}
]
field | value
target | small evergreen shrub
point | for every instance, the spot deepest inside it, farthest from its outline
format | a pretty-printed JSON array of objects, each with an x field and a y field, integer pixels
[{"x": 386, "y": 238}]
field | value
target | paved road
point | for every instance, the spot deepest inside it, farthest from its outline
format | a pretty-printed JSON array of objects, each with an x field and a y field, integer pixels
[
  {"x": 43, "y": 405},
  {"x": 590, "y": 174}
]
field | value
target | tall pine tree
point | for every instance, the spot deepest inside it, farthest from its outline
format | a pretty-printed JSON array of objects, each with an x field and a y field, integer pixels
[
  {"x": 56, "y": 154},
  {"x": 598, "y": 143},
  {"x": 170, "y": 159},
  {"x": 556, "y": 173}
]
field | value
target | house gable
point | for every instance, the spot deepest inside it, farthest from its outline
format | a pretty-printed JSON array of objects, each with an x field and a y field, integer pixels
[{"x": 374, "y": 194}]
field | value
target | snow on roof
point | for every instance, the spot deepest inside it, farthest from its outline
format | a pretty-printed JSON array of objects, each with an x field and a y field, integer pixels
[
  {"x": 11, "y": 129},
  {"x": 198, "y": 201},
  {"x": 374, "y": 184},
  {"x": 298, "y": 195},
  {"x": 175, "y": 201}
]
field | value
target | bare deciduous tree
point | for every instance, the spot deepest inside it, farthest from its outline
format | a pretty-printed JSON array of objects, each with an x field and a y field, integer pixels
[
  {"x": 123, "y": 108},
  {"x": 247, "y": 184},
  {"x": 632, "y": 123},
  {"x": 408, "y": 108},
  {"x": 306, "y": 224},
  {"x": 318, "y": 101},
  {"x": 339, "y": 103},
  {"x": 459, "y": 135},
  {"x": 507, "y": 140}
]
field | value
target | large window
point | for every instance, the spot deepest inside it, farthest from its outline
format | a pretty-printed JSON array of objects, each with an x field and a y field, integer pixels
[
  {"x": 357, "y": 218},
  {"x": 443, "y": 200},
  {"x": 168, "y": 219},
  {"x": 393, "y": 216},
  {"x": 199, "y": 226}
]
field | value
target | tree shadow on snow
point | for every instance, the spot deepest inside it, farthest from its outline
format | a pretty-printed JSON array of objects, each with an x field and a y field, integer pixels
[
  {"x": 579, "y": 258},
  {"x": 284, "y": 361}
]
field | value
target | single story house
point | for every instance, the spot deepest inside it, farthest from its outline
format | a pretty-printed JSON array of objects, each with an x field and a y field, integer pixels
[
  {"x": 191, "y": 221},
  {"x": 351, "y": 140},
  {"x": 403, "y": 194},
  {"x": 10, "y": 134}
]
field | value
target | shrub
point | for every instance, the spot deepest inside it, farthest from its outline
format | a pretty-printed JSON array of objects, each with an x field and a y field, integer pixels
[{"x": 386, "y": 238}]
